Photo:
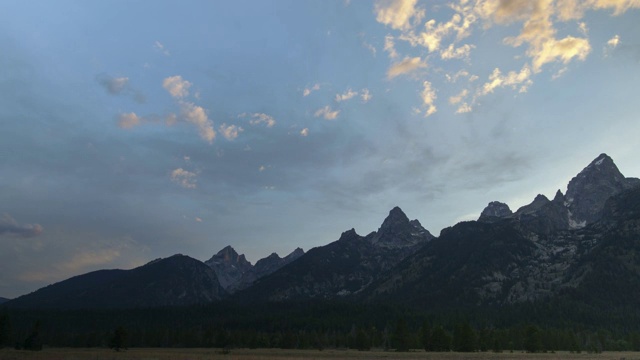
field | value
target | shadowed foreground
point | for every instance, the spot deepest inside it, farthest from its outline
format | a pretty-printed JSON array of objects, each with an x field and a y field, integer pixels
[{"x": 276, "y": 354}]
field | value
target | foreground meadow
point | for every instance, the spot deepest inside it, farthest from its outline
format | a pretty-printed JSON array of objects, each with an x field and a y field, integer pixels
[{"x": 277, "y": 354}]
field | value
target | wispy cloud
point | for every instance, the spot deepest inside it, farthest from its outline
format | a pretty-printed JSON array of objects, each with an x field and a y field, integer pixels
[
  {"x": 304, "y": 132},
  {"x": 10, "y": 227},
  {"x": 327, "y": 113},
  {"x": 428, "y": 96},
  {"x": 114, "y": 85},
  {"x": 516, "y": 80},
  {"x": 307, "y": 91},
  {"x": 347, "y": 95},
  {"x": 462, "y": 52},
  {"x": 160, "y": 47},
  {"x": 129, "y": 120},
  {"x": 184, "y": 178},
  {"x": 119, "y": 86},
  {"x": 390, "y": 46},
  {"x": 259, "y": 118},
  {"x": 365, "y": 95},
  {"x": 406, "y": 66}
]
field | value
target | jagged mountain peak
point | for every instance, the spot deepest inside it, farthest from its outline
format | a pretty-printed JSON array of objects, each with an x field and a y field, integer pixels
[
  {"x": 396, "y": 217},
  {"x": 559, "y": 197},
  {"x": 295, "y": 254},
  {"x": 349, "y": 235},
  {"x": 397, "y": 231},
  {"x": 537, "y": 203},
  {"x": 229, "y": 267},
  {"x": 588, "y": 191},
  {"x": 495, "y": 210}
]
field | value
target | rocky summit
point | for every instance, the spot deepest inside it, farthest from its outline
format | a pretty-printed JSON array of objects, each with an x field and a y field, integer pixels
[
  {"x": 588, "y": 191},
  {"x": 229, "y": 266},
  {"x": 236, "y": 273},
  {"x": 495, "y": 211}
]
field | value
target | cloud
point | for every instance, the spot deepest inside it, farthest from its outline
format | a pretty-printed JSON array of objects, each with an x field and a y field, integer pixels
[
  {"x": 114, "y": 85},
  {"x": 176, "y": 86},
  {"x": 431, "y": 38},
  {"x": 327, "y": 113},
  {"x": 390, "y": 46},
  {"x": 304, "y": 132},
  {"x": 611, "y": 45},
  {"x": 614, "y": 41},
  {"x": 118, "y": 86},
  {"x": 160, "y": 47},
  {"x": 10, "y": 227},
  {"x": 197, "y": 116},
  {"x": 365, "y": 95},
  {"x": 398, "y": 13},
  {"x": 259, "y": 118},
  {"x": 230, "y": 132},
  {"x": 370, "y": 47},
  {"x": 464, "y": 108},
  {"x": 458, "y": 98},
  {"x": 538, "y": 30},
  {"x": 513, "y": 79},
  {"x": 452, "y": 52},
  {"x": 406, "y": 66},
  {"x": 184, "y": 178},
  {"x": 129, "y": 120},
  {"x": 197, "y": 219},
  {"x": 309, "y": 90},
  {"x": 428, "y": 96},
  {"x": 573, "y": 9},
  {"x": 349, "y": 94}
]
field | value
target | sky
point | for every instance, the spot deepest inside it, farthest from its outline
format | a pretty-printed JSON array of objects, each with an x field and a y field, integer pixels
[{"x": 133, "y": 130}]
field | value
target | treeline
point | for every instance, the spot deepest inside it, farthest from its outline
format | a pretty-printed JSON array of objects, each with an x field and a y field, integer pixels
[{"x": 321, "y": 325}]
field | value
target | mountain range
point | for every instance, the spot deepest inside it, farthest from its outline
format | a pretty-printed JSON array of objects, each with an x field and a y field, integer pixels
[{"x": 583, "y": 245}]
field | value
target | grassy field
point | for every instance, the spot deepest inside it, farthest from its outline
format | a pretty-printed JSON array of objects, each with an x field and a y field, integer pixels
[{"x": 275, "y": 354}]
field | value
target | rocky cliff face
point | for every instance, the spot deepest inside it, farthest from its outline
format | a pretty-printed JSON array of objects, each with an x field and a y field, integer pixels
[
  {"x": 229, "y": 267},
  {"x": 236, "y": 273},
  {"x": 267, "y": 266}
]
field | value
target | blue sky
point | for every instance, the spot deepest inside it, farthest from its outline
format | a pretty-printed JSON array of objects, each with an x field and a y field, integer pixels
[{"x": 134, "y": 130}]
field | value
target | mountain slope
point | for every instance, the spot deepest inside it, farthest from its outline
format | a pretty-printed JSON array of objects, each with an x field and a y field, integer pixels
[
  {"x": 176, "y": 280},
  {"x": 3, "y": 300}
]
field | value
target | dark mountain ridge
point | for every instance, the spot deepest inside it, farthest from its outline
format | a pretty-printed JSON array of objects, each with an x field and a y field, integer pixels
[
  {"x": 173, "y": 281},
  {"x": 570, "y": 247}
]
